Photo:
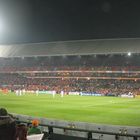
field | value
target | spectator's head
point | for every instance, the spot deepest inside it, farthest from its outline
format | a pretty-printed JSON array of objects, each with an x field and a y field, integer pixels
[
  {"x": 35, "y": 123},
  {"x": 3, "y": 113}
]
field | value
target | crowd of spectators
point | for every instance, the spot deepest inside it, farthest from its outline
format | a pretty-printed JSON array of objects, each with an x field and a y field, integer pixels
[
  {"x": 89, "y": 62},
  {"x": 102, "y": 86},
  {"x": 101, "y": 74}
]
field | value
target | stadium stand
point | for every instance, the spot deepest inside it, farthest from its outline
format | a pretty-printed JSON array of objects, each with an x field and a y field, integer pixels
[
  {"x": 101, "y": 67},
  {"x": 103, "y": 74}
]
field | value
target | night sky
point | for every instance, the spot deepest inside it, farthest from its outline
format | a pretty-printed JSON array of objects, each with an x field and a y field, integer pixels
[{"x": 26, "y": 21}]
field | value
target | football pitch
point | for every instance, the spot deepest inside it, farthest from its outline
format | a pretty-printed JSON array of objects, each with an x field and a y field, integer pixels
[{"x": 103, "y": 110}]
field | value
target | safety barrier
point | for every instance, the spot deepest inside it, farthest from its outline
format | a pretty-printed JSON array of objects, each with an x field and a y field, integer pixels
[{"x": 89, "y": 131}]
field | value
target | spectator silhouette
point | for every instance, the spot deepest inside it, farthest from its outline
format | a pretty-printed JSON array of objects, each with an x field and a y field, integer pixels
[
  {"x": 21, "y": 132},
  {"x": 7, "y": 126}
]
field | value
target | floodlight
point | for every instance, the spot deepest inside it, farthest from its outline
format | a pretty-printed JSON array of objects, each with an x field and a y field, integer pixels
[{"x": 129, "y": 54}]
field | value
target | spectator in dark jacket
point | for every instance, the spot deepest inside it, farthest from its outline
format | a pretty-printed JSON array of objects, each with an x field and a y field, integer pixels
[
  {"x": 7, "y": 126},
  {"x": 21, "y": 132}
]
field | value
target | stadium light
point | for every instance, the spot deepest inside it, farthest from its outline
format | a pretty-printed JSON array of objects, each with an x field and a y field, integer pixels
[
  {"x": 64, "y": 56},
  {"x": 129, "y": 54},
  {"x": 79, "y": 56}
]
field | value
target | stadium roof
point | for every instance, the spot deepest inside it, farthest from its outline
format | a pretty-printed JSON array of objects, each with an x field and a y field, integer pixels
[{"x": 77, "y": 47}]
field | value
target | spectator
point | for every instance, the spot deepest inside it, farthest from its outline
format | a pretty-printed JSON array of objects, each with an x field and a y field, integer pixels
[
  {"x": 34, "y": 128},
  {"x": 7, "y": 126},
  {"x": 21, "y": 132}
]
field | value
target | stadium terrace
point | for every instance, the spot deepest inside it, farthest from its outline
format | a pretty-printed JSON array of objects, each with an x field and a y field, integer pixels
[{"x": 64, "y": 78}]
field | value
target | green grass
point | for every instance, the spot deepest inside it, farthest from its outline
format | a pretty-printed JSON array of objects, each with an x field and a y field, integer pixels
[{"x": 105, "y": 110}]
